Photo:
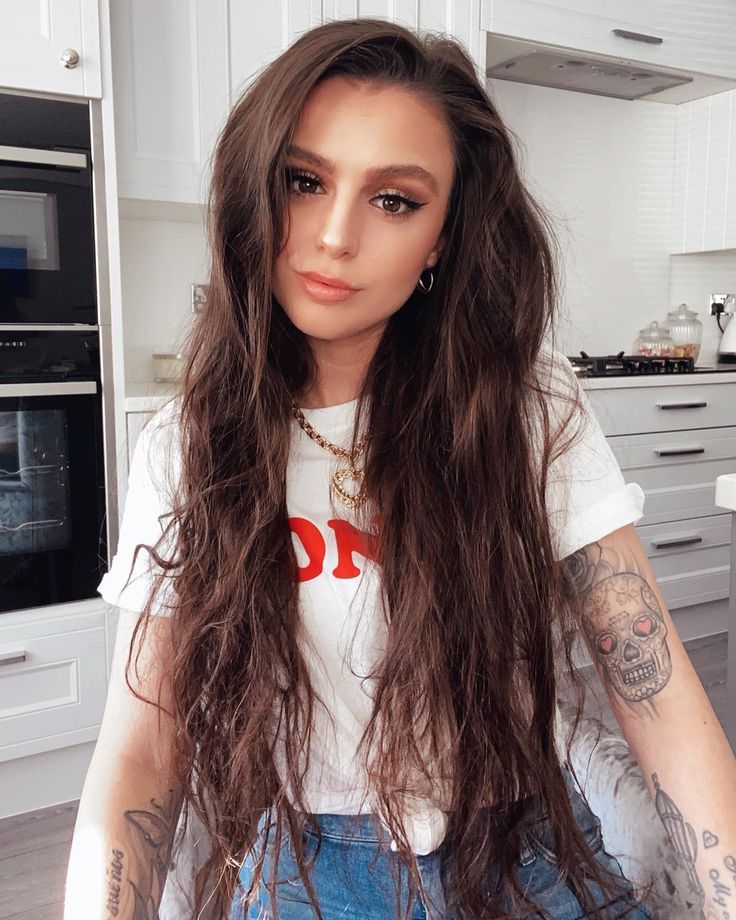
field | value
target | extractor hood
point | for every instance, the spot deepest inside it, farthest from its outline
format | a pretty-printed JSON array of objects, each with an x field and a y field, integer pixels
[{"x": 548, "y": 65}]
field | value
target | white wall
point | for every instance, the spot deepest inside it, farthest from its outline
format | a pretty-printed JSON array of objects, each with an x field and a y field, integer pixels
[
  {"x": 602, "y": 167},
  {"x": 694, "y": 278},
  {"x": 160, "y": 258}
]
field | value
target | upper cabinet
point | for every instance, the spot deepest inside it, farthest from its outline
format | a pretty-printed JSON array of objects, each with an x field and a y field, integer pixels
[
  {"x": 179, "y": 67},
  {"x": 459, "y": 18},
  {"x": 255, "y": 43},
  {"x": 177, "y": 70},
  {"x": 695, "y": 37},
  {"x": 172, "y": 93},
  {"x": 704, "y": 192},
  {"x": 255, "y": 39},
  {"x": 51, "y": 47}
]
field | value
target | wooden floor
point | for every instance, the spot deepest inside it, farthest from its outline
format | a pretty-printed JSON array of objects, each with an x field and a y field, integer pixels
[{"x": 34, "y": 847}]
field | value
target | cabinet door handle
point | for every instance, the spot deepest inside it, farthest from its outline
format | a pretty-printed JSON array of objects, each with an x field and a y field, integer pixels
[
  {"x": 638, "y": 36},
  {"x": 674, "y": 451},
  {"x": 12, "y": 657},
  {"x": 69, "y": 58},
  {"x": 683, "y": 405},
  {"x": 677, "y": 541}
]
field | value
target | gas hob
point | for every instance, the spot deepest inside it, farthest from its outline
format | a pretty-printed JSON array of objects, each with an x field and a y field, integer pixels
[{"x": 622, "y": 365}]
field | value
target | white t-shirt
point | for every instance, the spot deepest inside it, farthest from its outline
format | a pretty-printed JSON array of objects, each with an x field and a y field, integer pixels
[{"x": 587, "y": 498}]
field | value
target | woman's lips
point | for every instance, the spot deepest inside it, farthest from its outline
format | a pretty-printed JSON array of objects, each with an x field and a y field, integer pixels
[{"x": 327, "y": 293}]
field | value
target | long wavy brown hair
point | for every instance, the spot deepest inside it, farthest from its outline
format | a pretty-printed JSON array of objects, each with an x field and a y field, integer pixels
[{"x": 456, "y": 406}]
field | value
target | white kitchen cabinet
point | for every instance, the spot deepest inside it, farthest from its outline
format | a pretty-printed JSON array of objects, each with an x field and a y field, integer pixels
[
  {"x": 459, "y": 18},
  {"x": 178, "y": 69},
  {"x": 171, "y": 87},
  {"x": 706, "y": 19},
  {"x": 674, "y": 442},
  {"x": 699, "y": 37},
  {"x": 51, "y": 47},
  {"x": 53, "y": 674},
  {"x": 255, "y": 40},
  {"x": 662, "y": 408},
  {"x": 704, "y": 190}
]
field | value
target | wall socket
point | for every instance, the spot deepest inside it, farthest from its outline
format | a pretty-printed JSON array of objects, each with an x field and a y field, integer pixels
[
  {"x": 198, "y": 296},
  {"x": 716, "y": 303}
]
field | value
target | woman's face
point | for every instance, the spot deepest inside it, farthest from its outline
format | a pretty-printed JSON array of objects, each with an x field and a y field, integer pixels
[{"x": 370, "y": 172}]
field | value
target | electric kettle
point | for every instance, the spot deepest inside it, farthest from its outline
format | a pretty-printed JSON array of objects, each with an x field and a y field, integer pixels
[{"x": 727, "y": 347}]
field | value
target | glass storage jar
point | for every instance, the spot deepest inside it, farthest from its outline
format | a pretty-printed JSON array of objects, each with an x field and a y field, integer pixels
[
  {"x": 654, "y": 339},
  {"x": 686, "y": 331},
  {"x": 167, "y": 368}
]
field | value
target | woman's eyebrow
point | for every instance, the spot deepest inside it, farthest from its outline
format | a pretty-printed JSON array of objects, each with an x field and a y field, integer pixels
[{"x": 391, "y": 171}]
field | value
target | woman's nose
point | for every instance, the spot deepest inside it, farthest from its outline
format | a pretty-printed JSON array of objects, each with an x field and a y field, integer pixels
[{"x": 338, "y": 232}]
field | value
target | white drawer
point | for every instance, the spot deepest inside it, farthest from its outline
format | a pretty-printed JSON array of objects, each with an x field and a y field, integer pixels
[
  {"x": 691, "y": 560},
  {"x": 636, "y": 410},
  {"x": 677, "y": 470},
  {"x": 53, "y": 695},
  {"x": 691, "y": 41}
]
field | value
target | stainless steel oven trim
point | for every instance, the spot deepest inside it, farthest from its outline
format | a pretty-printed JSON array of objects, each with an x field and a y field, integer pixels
[
  {"x": 41, "y": 157},
  {"x": 105, "y": 204},
  {"x": 50, "y": 388},
  {"x": 48, "y": 327}
]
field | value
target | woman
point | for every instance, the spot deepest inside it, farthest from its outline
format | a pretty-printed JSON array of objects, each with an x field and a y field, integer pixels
[{"x": 386, "y": 513}]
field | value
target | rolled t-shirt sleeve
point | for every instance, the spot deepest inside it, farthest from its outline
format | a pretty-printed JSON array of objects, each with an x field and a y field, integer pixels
[
  {"x": 154, "y": 470},
  {"x": 587, "y": 496}
]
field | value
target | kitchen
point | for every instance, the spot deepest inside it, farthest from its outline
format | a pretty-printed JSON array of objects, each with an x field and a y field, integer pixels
[{"x": 644, "y": 198}]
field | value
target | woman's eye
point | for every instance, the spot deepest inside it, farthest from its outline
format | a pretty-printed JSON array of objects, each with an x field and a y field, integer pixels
[
  {"x": 301, "y": 179},
  {"x": 400, "y": 205},
  {"x": 399, "y": 200}
]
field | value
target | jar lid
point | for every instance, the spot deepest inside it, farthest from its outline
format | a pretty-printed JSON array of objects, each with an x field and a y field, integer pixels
[
  {"x": 655, "y": 330},
  {"x": 682, "y": 312}
]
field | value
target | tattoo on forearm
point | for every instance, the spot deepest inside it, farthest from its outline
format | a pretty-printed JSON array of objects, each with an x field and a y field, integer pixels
[
  {"x": 623, "y": 621},
  {"x": 719, "y": 893},
  {"x": 730, "y": 863},
  {"x": 682, "y": 835},
  {"x": 115, "y": 875},
  {"x": 153, "y": 831}
]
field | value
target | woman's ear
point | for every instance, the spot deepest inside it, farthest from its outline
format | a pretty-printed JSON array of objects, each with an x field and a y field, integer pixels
[{"x": 435, "y": 253}]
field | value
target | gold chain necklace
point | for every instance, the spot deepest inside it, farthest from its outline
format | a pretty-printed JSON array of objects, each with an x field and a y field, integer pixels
[{"x": 350, "y": 472}]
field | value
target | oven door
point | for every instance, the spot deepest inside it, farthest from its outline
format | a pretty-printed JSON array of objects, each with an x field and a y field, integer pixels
[
  {"x": 52, "y": 495},
  {"x": 47, "y": 246}
]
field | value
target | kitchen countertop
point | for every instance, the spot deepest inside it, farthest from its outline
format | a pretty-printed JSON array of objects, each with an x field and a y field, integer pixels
[
  {"x": 147, "y": 396},
  {"x": 726, "y": 491},
  {"x": 722, "y": 373}
]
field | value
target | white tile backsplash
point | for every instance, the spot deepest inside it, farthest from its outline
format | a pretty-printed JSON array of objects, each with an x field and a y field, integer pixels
[
  {"x": 603, "y": 169},
  {"x": 694, "y": 278}
]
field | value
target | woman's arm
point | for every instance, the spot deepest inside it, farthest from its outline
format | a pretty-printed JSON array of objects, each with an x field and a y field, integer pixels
[
  {"x": 663, "y": 711},
  {"x": 130, "y": 802}
]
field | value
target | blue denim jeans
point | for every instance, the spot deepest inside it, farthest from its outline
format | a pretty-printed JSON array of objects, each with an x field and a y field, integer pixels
[{"x": 352, "y": 884}]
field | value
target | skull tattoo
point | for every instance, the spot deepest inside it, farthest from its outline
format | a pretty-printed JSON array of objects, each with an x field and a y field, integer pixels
[{"x": 627, "y": 632}]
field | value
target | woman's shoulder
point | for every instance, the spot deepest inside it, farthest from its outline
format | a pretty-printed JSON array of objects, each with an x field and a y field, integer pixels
[
  {"x": 157, "y": 453},
  {"x": 556, "y": 391},
  {"x": 555, "y": 372}
]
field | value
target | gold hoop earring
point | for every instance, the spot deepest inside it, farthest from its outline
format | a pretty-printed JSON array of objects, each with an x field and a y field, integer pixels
[{"x": 426, "y": 288}]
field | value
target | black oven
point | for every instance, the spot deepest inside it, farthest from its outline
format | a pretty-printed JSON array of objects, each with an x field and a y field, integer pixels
[
  {"x": 53, "y": 544},
  {"x": 47, "y": 245}
]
